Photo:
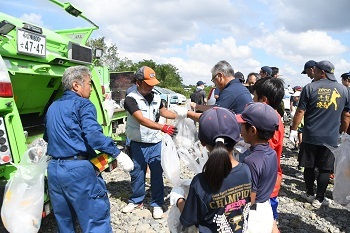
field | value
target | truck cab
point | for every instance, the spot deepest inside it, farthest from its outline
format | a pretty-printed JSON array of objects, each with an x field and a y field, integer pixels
[{"x": 32, "y": 62}]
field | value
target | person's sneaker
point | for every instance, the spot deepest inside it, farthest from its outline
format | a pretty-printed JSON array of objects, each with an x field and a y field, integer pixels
[
  {"x": 131, "y": 207},
  {"x": 307, "y": 197},
  {"x": 317, "y": 204},
  {"x": 157, "y": 212}
]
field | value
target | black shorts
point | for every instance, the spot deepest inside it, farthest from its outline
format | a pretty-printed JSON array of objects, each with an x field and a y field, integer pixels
[{"x": 311, "y": 156}]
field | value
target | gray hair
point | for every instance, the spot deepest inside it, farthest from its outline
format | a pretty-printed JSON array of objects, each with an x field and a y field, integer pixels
[
  {"x": 74, "y": 74},
  {"x": 224, "y": 67}
]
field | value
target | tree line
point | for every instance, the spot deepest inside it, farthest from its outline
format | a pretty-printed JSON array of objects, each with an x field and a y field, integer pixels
[{"x": 167, "y": 74}]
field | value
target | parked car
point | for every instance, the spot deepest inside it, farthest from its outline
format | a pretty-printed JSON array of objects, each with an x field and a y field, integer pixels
[
  {"x": 167, "y": 97},
  {"x": 181, "y": 98}
]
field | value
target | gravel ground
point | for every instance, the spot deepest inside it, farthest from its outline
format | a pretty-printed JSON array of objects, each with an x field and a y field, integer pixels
[{"x": 295, "y": 215}]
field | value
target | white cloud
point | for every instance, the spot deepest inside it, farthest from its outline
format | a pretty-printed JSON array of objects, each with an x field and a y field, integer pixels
[
  {"x": 33, "y": 18},
  {"x": 301, "y": 15},
  {"x": 295, "y": 47},
  {"x": 194, "y": 35}
]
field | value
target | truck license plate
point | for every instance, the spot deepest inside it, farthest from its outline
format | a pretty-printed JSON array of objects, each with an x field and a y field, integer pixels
[{"x": 31, "y": 43}]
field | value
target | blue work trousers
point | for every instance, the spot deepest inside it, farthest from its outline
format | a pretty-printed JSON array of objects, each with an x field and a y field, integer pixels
[
  {"x": 143, "y": 154},
  {"x": 77, "y": 193}
]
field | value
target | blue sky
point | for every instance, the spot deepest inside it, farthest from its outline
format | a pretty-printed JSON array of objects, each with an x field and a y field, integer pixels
[{"x": 194, "y": 35}]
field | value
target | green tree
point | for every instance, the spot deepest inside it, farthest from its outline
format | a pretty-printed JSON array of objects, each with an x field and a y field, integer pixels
[
  {"x": 110, "y": 53},
  {"x": 167, "y": 74}
]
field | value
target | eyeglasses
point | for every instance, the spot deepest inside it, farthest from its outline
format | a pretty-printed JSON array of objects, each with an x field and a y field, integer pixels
[{"x": 214, "y": 77}]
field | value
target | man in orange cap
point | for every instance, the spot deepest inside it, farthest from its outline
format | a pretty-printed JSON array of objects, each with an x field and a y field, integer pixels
[{"x": 142, "y": 128}]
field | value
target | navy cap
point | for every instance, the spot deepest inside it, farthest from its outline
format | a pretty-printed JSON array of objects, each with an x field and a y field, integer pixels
[
  {"x": 345, "y": 75},
  {"x": 327, "y": 67},
  {"x": 218, "y": 122},
  {"x": 267, "y": 69},
  {"x": 260, "y": 115},
  {"x": 200, "y": 83},
  {"x": 239, "y": 76},
  {"x": 307, "y": 65}
]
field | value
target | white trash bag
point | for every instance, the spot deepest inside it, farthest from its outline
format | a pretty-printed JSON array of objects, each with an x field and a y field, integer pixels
[
  {"x": 186, "y": 133},
  {"x": 174, "y": 214},
  {"x": 341, "y": 190},
  {"x": 24, "y": 193},
  {"x": 201, "y": 154},
  {"x": 170, "y": 161},
  {"x": 109, "y": 105}
]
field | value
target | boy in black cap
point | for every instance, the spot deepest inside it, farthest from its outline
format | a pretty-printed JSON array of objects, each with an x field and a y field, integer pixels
[
  {"x": 309, "y": 68},
  {"x": 265, "y": 71},
  {"x": 240, "y": 76},
  {"x": 259, "y": 123},
  {"x": 199, "y": 96},
  {"x": 218, "y": 196},
  {"x": 345, "y": 79}
]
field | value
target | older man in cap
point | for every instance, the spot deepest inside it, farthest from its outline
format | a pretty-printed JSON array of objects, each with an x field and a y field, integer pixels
[
  {"x": 143, "y": 109},
  {"x": 322, "y": 103}
]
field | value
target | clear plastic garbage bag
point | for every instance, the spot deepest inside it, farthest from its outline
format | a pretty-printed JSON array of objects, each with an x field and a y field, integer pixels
[
  {"x": 195, "y": 158},
  {"x": 109, "y": 105},
  {"x": 24, "y": 193},
  {"x": 186, "y": 133},
  {"x": 201, "y": 154},
  {"x": 341, "y": 190},
  {"x": 174, "y": 214},
  {"x": 170, "y": 161}
]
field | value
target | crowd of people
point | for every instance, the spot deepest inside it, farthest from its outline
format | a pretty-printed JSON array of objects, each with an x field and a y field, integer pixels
[{"x": 230, "y": 195}]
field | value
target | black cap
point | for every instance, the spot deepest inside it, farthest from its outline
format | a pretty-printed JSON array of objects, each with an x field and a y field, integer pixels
[
  {"x": 218, "y": 122},
  {"x": 328, "y": 68},
  {"x": 260, "y": 115},
  {"x": 239, "y": 76},
  {"x": 308, "y": 64},
  {"x": 267, "y": 69},
  {"x": 200, "y": 83}
]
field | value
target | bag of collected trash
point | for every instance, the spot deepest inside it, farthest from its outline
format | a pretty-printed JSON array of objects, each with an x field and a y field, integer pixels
[
  {"x": 201, "y": 154},
  {"x": 194, "y": 158},
  {"x": 170, "y": 161},
  {"x": 109, "y": 105},
  {"x": 186, "y": 133},
  {"x": 341, "y": 190},
  {"x": 24, "y": 193},
  {"x": 174, "y": 214},
  {"x": 241, "y": 150}
]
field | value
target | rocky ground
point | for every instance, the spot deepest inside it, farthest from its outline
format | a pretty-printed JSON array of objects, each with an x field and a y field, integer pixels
[{"x": 295, "y": 215}]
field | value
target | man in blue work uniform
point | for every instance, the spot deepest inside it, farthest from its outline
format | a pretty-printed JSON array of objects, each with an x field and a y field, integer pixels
[
  {"x": 233, "y": 95},
  {"x": 144, "y": 108},
  {"x": 77, "y": 191}
]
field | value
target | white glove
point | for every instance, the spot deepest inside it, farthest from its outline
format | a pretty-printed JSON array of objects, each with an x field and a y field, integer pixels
[
  {"x": 293, "y": 136},
  {"x": 181, "y": 111},
  {"x": 125, "y": 162},
  {"x": 175, "y": 194}
]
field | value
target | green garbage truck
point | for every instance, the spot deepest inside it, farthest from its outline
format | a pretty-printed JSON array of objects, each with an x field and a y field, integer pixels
[{"x": 32, "y": 62}]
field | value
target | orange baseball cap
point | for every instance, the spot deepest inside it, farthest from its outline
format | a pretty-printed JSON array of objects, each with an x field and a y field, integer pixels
[{"x": 147, "y": 75}]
